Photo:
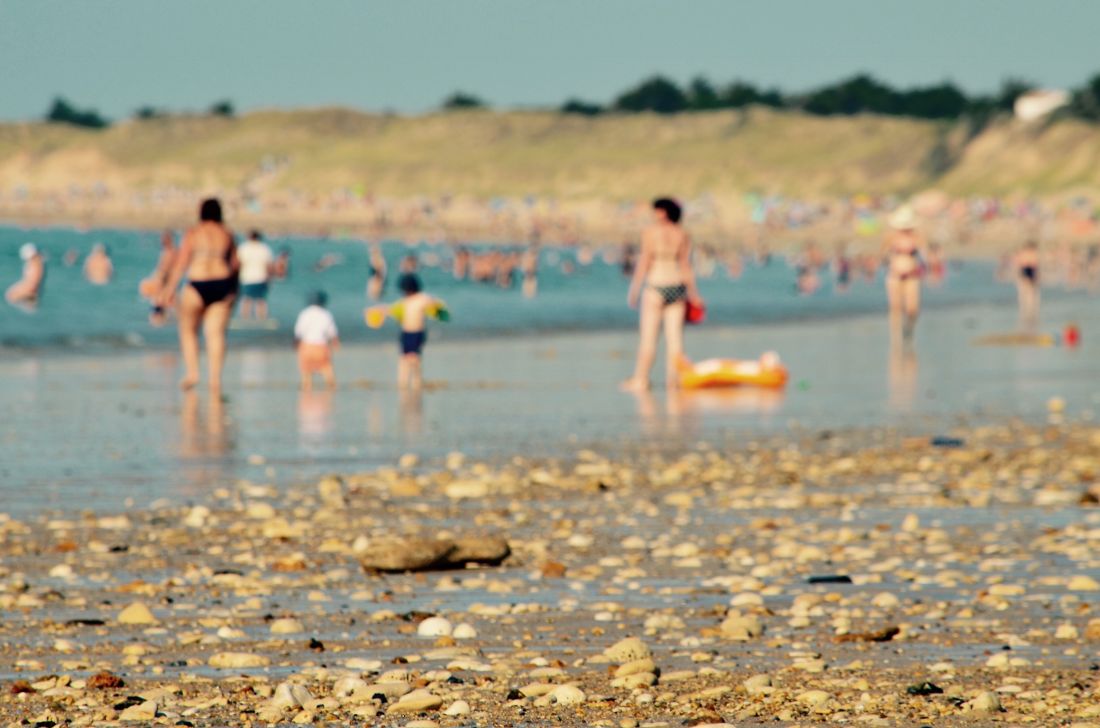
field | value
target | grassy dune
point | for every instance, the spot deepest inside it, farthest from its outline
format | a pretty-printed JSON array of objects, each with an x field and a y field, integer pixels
[{"x": 484, "y": 154}]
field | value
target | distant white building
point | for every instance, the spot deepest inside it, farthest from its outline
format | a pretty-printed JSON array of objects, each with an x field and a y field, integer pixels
[{"x": 1036, "y": 104}]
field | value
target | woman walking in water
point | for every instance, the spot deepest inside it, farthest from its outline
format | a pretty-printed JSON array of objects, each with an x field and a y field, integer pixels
[
  {"x": 208, "y": 257},
  {"x": 1027, "y": 284},
  {"x": 664, "y": 268},
  {"x": 904, "y": 271}
]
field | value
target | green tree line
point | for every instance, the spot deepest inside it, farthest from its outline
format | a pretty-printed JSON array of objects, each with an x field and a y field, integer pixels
[
  {"x": 858, "y": 94},
  {"x": 855, "y": 95}
]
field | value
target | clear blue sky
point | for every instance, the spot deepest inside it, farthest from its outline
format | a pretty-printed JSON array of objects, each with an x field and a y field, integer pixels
[{"x": 406, "y": 55}]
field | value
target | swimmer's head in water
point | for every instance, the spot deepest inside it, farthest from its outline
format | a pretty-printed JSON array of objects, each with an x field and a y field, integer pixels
[
  {"x": 409, "y": 284},
  {"x": 671, "y": 209},
  {"x": 317, "y": 298},
  {"x": 210, "y": 210},
  {"x": 27, "y": 251},
  {"x": 255, "y": 235}
]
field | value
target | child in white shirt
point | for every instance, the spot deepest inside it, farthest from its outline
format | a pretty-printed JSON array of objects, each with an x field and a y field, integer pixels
[{"x": 316, "y": 338}]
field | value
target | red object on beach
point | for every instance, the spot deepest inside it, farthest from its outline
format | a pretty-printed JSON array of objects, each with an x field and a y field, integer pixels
[
  {"x": 1072, "y": 335},
  {"x": 695, "y": 313}
]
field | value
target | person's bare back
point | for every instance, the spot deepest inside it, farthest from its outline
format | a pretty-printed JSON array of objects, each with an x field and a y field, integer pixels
[
  {"x": 209, "y": 246},
  {"x": 664, "y": 243}
]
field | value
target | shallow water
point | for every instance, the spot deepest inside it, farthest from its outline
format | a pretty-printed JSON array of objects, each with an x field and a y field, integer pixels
[{"x": 96, "y": 430}]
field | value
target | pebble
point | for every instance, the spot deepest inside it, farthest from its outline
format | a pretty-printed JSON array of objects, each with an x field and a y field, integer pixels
[
  {"x": 290, "y": 695},
  {"x": 458, "y": 707},
  {"x": 627, "y": 650},
  {"x": 1082, "y": 582},
  {"x": 236, "y": 660},
  {"x": 416, "y": 701},
  {"x": 464, "y": 631},
  {"x": 986, "y": 702},
  {"x": 331, "y": 491},
  {"x": 886, "y": 600},
  {"x": 144, "y": 711},
  {"x": 136, "y": 613},
  {"x": 567, "y": 695},
  {"x": 462, "y": 489},
  {"x": 741, "y": 628},
  {"x": 635, "y": 680},
  {"x": 814, "y": 698},
  {"x": 1066, "y": 632},
  {"x": 286, "y": 625},
  {"x": 758, "y": 685},
  {"x": 435, "y": 627},
  {"x": 635, "y": 666}
]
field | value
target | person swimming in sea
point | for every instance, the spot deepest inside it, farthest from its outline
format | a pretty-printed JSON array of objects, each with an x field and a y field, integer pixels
[
  {"x": 28, "y": 289},
  {"x": 98, "y": 268},
  {"x": 208, "y": 259},
  {"x": 280, "y": 267},
  {"x": 152, "y": 285}
]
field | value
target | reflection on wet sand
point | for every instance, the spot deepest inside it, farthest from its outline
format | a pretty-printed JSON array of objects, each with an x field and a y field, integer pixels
[
  {"x": 902, "y": 370},
  {"x": 314, "y": 417},
  {"x": 206, "y": 439},
  {"x": 204, "y": 436},
  {"x": 412, "y": 412},
  {"x": 683, "y": 408}
]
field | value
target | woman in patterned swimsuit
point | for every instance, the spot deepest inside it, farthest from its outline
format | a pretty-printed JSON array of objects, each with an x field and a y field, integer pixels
[{"x": 664, "y": 268}]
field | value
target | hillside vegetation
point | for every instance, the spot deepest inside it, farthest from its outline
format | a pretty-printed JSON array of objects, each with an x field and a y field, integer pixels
[{"x": 486, "y": 154}]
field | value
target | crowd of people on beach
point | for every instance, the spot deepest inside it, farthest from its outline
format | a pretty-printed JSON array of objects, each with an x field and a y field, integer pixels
[{"x": 208, "y": 276}]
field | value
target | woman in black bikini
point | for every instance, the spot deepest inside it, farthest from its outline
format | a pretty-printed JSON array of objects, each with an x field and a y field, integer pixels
[
  {"x": 1027, "y": 284},
  {"x": 208, "y": 258},
  {"x": 664, "y": 267}
]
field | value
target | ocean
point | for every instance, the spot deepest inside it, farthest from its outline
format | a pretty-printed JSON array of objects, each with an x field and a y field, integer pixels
[{"x": 75, "y": 315}]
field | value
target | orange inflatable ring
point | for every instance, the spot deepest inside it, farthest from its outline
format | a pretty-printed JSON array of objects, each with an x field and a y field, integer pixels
[{"x": 764, "y": 372}]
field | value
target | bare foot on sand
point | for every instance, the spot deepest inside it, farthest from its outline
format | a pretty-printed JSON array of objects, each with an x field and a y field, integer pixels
[
  {"x": 634, "y": 385},
  {"x": 188, "y": 383}
]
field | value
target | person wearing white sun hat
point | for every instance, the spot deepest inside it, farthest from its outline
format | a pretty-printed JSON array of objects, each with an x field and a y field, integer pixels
[
  {"x": 904, "y": 245},
  {"x": 27, "y": 289}
]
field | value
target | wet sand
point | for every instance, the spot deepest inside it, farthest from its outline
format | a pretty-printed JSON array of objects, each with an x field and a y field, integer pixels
[{"x": 100, "y": 431}]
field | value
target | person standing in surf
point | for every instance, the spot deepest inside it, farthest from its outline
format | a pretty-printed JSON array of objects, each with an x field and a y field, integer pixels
[
  {"x": 256, "y": 264},
  {"x": 662, "y": 285},
  {"x": 208, "y": 258},
  {"x": 26, "y": 291},
  {"x": 1027, "y": 284},
  {"x": 904, "y": 271}
]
